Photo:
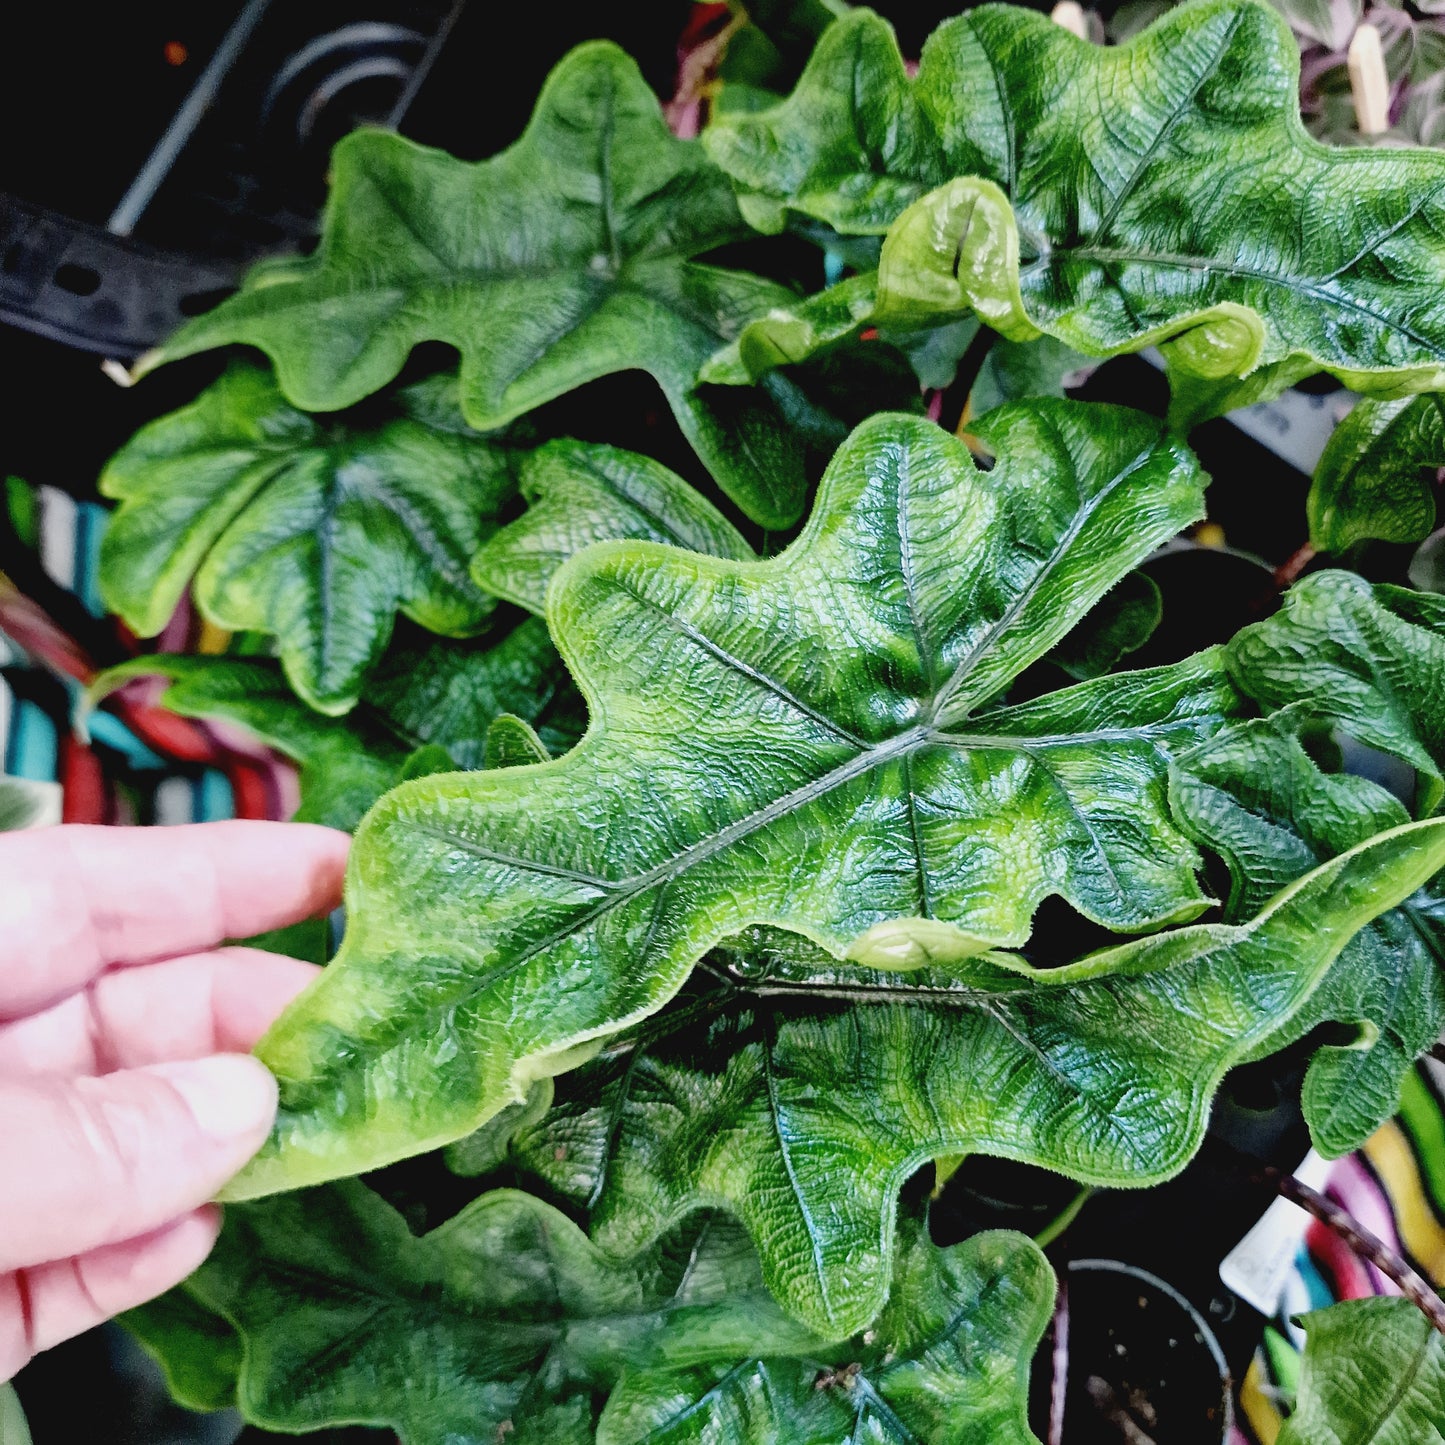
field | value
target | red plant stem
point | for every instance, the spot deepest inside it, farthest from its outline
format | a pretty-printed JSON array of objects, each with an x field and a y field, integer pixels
[
  {"x": 1412, "y": 1284},
  {"x": 1289, "y": 571},
  {"x": 1059, "y": 1383}
]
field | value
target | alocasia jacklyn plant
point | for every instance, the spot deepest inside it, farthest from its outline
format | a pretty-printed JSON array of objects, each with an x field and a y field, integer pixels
[{"x": 698, "y": 853}]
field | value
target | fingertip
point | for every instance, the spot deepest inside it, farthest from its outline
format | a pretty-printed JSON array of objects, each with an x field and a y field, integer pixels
[{"x": 231, "y": 1097}]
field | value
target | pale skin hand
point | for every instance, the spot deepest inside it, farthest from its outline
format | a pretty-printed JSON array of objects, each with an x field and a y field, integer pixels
[{"x": 127, "y": 1097}]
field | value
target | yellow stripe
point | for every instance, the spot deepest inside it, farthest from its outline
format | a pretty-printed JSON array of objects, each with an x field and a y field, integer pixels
[
  {"x": 213, "y": 640},
  {"x": 1389, "y": 1154},
  {"x": 1261, "y": 1413}
]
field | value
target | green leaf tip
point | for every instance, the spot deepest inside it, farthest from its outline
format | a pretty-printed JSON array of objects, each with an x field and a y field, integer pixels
[
  {"x": 813, "y": 741},
  {"x": 565, "y": 258},
  {"x": 316, "y": 532},
  {"x": 1160, "y": 191}
]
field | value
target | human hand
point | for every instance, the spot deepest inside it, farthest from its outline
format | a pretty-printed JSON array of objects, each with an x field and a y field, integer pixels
[{"x": 126, "y": 1096}]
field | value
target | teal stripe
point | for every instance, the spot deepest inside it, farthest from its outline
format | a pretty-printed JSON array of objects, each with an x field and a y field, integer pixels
[
  {"x": 112, "y": 733},
  {"x": 215, "y": 800},
  {"x": 90, "y": 524},
  {"x": 34, "y": 749}
]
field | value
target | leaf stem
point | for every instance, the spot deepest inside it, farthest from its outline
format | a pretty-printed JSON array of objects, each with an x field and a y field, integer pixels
[{"x": 1411, "y": 1283}]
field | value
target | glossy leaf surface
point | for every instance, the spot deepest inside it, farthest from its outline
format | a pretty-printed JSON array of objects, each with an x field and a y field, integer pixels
[
  {"x": 1374, "y": 1374},
  {"x": 947, "y": 1361},
  {"x": 579, "y": 493},
  {"x": 560, "y": 260},
  {"x": 317, "y": 533},
  {"x": 440, "y": 694},
  {"x": 813, "y": 741},
  {"x": 1368, "y": 659},
  {"x": 1162, "y": 191},
  {"x": 1376, "y": 478},
  {"x": 804, "y": 1104},
  {"x": 1255, "y": 795}
]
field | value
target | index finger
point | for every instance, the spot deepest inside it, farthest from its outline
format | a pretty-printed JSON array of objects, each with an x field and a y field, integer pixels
[{"x": 77, "y": 899}]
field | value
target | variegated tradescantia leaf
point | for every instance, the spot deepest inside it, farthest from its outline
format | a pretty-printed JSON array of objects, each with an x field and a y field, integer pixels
[
  {"x": 563, "y": 259},
  {"x": 805, "y": 1101},
  {"x": 1374, "y": 1374},
  {"x": 1377, "y": 477},
  {"x": 1162, "y": 191},
  {"x": 446, "y": 695},
  {"x": 579, "y": 493},
  {"x": 314, "y": 530},
  {"x": 814, "y": 741},
  {"x": 506, "y": 1323}
]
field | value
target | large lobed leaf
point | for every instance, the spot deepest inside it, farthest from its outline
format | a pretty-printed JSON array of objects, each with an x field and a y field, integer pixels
[
  {"x": 314, "y": 530},
  {"x": 421, "y": 696},
  {"x": 1377, "y": 475},
  {"x": 564, "y": 258},
  {"x": 1373, "y": 1374},
  {"x": 1365, "y": 660},
  {"x": 1159, "y": 191},
  {"x": 805, "y": 1101},
  {"x": 813, "y": 741},
  {"x": 505, "y": 1322}
]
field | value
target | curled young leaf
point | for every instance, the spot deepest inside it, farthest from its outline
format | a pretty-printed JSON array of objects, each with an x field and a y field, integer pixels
[
  {"x": 1377, "y": 476},
  {"x": 814, "y": 741},
  {"x": 315, "y": 532},
  {"x": 1162, "y": 191},
  {"x": 563, "y": 259},
  {"x": 579, "y": 493},
  {"x": 1374, "y": 1374},
  {"x": 447, "y": 696},
  {"x": 804, "y": 1104}
]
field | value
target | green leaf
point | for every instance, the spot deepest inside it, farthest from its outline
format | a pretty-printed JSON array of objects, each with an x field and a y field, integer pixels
[
  {"x": 1376, "y": 478},
  {"x": 197, "y": 1349},
  {"x": 816, "y": 740},
  {"x": 1254, "y": 795},
  {"x": 512, "y": 743},
  {"x": 563, "y": 259},
  {"x": 435, "y": 693},
  {"x": 1374, "y": 1374},
  {"x": 578, "y": 493},
  {"x": 1368, "y": 659},
  {"x": 947, "y": 1361},
  {"x": 805, "y": 1101},
  {"x": 810, "y": 326},
  {"x": 505, "y": 1313},
  {"x": 1015, "y": 370},
  {"x": 13, "y": 1427},
  {"x": 316, "y": 532},
  {"x": 1363, "y": 661},
  {"x": 1162, "y": 191}
]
